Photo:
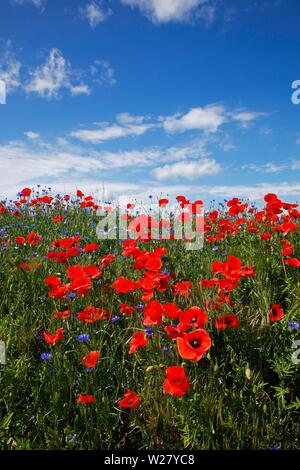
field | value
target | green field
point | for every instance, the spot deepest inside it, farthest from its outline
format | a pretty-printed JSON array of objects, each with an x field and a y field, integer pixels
[{"x": 244, "y": 390}]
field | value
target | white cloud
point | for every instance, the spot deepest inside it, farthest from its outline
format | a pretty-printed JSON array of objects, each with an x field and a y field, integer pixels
[
  {"x": 94, "y": 13},
  {"x": 64, "y": 167},
  {"x": 54, "y": 75},
  {"x": 103, "y": 73},
  {"x": 253, "y": 192},
  {"x": 272, "y": 167},
  {"x": 81, "y": 89},
  {"x": 207, "y": 13},
  {"x": 244, "y": 118},
  {"x": 127, "y": 125},
  {"x": 163, "y": 11},
  {"x": 208, "y": 118},
  {"x": 33, "y": 161},
  {"x": 188, "y": 169},
  {"x": 37, "y": 3},
  {"x": 10, "y": 69},
  {"x": 32, "y": 135},
  {"x": 296, "y": 165},
  {"x": 21, "y": 163}
]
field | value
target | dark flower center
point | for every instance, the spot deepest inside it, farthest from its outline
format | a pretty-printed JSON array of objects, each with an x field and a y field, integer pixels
[{"x": 195, "y": 343}]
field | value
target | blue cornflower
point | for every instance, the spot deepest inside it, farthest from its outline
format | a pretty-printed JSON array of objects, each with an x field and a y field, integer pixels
[
  {"x": 46, "y": 356},
  {"x": 72, "y": 437},
  {"x": 90, "y": 369},
  {"x": 166, "y": 272},
  {"x": 116, "y": 319},
  {"x": 84, "y": 337},
  {"x": 294, "y": 325},
  {"x": 215, "y": 248},
  {"x": 149, "y": 332},
  {"x": 224, "y": 254},
  {"x": 71, "y": 296},
  {"x": 139, "y": 306},
  {"x": 166, "y": 351}
]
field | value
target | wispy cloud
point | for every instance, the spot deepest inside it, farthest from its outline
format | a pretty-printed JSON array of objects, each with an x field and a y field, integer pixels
[
  {"x": 32, "y": 135},
  {"x": 188, "y": 169},
  {"x": 244, "y": 117},
  {"x": 208, "y": 118},
  {"x": 126, "y": 125},
  {"x": 94, "y": 12},
  {"x": 103, "y": 73},
  {"x": 55, "y": 74},
  {"x": 272, "y": 167},
  {"x": 164, "y": 11},
  {"x": 37, "y": 3},
  {"x": 10, "y": 69},
  {"x": 33, "y": 160}
]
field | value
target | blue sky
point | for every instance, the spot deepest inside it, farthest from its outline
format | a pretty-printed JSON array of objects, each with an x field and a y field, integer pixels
[{"x": 151, "y": 96}]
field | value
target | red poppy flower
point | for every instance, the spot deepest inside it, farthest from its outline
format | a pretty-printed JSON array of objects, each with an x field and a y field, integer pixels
[
  {"x": 53, "y": 281},
  {"x": 176, "y": 383},
  {"x": 294, "y": 262},
  {"x": 276, "y": 313},
  {"x": 59, "y": 292},
  {"x": 153, "y": 263},
  {"x": 192, "y": 317},
  {"x": 85, "y": 399},
  {"x": 130, "y": 400},
  {"x": 193, "y": 345},
  {"x": 81, "y": 285},
  {"x": 182, "y": 288},
  {"x": 20, "y": 240},
  {"x": 265, "y": 236},
  {"x": 75, "y": 271},
  {"x": 79, "y": 193},
  {"x": 92, "y": 271},
  {"x": 163, "y": 202},
  {"x": 92, "y": 314},
  {"x": 33, "y": 238},
  {"x": 65, "y": 314},
  {"x": 90, "y": 247},
  {"x": 91, "y": 359},
  {"x": 153, "y": 313},
  {"x": 52, "y": 339},
  {"x": 171, "y": 310},
  {"x": 287, "y": 249},
  {"x": 3, "y": 209},
  {"x": 58, "y": 218},
  {"x": 270, "y": 197},
  {"x": 26, "y": 192},
  {"x": 138, "y": 341},
  {"x": 226, "y": 321},
  {"x": 106, "y": 260},
  {"x": 127, "y": 309},
  {"x": 122, "y": 285}
]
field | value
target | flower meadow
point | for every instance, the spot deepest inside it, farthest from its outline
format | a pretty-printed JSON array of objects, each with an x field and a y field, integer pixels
[{"x": 142, "y": 344}]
